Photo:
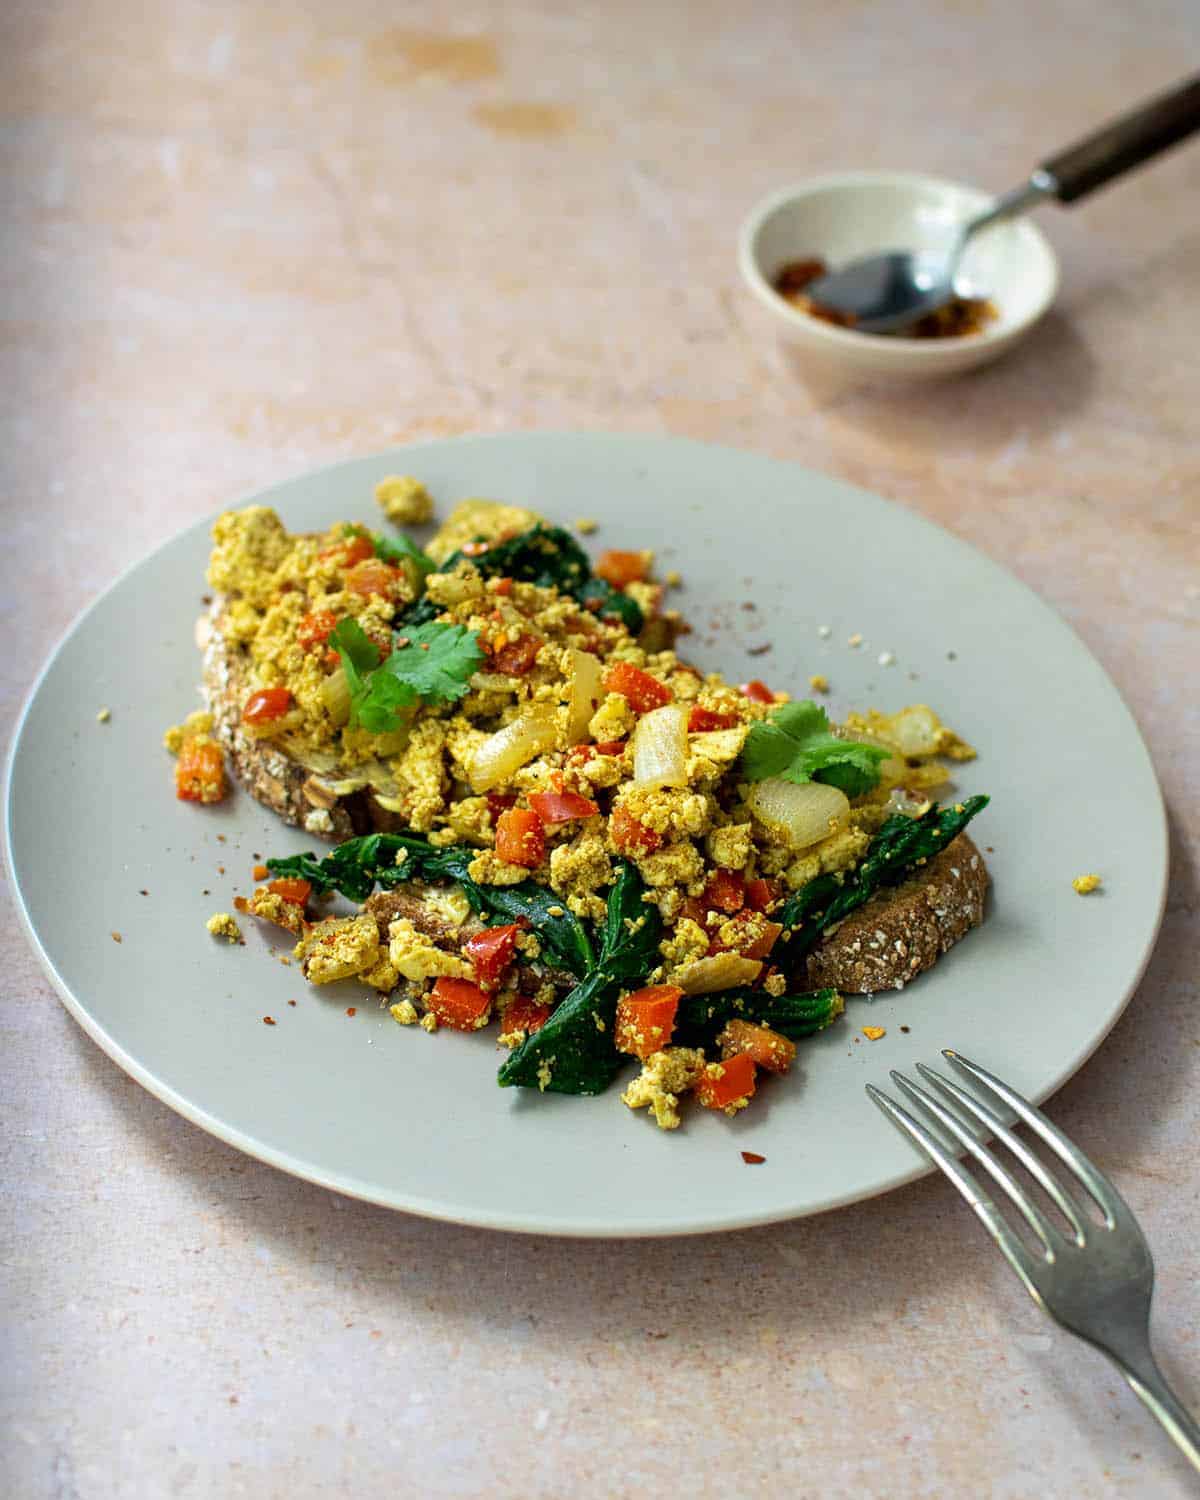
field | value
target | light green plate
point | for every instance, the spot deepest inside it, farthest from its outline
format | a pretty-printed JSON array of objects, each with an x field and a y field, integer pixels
[{"x": 417, "y": 1122}]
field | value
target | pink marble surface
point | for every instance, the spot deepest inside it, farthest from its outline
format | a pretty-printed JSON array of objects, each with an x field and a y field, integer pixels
[{"x": 239, "y": 241}]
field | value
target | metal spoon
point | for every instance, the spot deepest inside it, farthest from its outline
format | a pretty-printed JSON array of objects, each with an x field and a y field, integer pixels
[{"x": 884, "y": 293}]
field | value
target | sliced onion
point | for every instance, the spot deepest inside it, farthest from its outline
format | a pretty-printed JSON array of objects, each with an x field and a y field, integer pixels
[
  {"x": 584, "y": 673},
  {"x": 914, "y": 730},
  {"x": 512, "y": 747},
  {"x": 335, "y": 694},
  {"x": 660, "y": 746},
  {"x": 803, "y": 814},
  {"x": 901, "y": 800},
  {"x": 719, "y": 971}
]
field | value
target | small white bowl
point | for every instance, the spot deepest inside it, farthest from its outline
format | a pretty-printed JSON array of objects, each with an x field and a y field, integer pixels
[{"x": 841, "y": 217}]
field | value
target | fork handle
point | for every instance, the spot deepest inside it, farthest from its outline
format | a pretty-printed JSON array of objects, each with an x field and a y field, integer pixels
[{"x": 1148, "y": 1384}]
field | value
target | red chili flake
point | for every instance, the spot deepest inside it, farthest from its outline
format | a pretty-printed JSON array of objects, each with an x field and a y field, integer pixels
[
  {"x": 143, "y": 893},
  {"x": 352, "y": 1010},
  {"x": 752, "y": 1158},
  {"x": 268, "y": 1020}
]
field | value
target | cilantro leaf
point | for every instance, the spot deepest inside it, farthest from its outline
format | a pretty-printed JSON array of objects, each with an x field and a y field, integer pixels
[
  {"x": 404, "y": 549},
  {"x": 430, "y": 663},
  {"x": 436, "y": 660},
  {"x": 795, "y": 743}
]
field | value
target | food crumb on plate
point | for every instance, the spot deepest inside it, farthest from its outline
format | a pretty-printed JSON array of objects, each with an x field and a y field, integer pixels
[
  {"x": 268, "y": 1020},
  {"x": 1084, "y": 885},
  {"x": 674, "y": 578},
  {"x": 104, "y": 716},
  {"x": 352, "y": 1010},
  {"x": 221, "y": 924},
  {"x": 752, "y": 1158},
  {"x": 116, "y": 936},
  {"x": 585, "y": 525},
  {"x": 819, "y": 683},
  {"x": 404, "y": 501},
  {"x": 887, "y": 658},
  {"x": 854, "y": 640},
  {"x": 873, "y": 1033},
  {"x": 404, "y": 1012},
  {"x": 824, "y": 631}
]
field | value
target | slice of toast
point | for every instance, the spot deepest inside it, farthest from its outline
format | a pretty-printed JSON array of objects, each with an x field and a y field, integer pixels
[
  {"x": 904, "y": 930},
  {"x": 264, "y": 770}
]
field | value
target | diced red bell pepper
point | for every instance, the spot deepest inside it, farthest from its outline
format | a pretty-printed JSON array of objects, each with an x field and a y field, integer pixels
[
  {"x": 459, "y": 1004},
  {"x": 517, "y": 657},
  {"x": 373, "y": 577},
  {"x": 759, "y": 938},
  {"x": 561, "y": 807},
  {"x": 499, "y": 802},
  {"x": 760, "y": 893},
  {"x": 297, "y": 891},
  {"x": 502, "y": 586},
  {"x": 313, "y": 629},
  {"x": 725, "y": 891},
  {"x": 646, "y": 1019},
  {"x": 757, "y": 692},
  {"x": 520, "y": 838},
  {"x": 727, "y": 1083},
  {"x": 631, "y": 836},
  {"x": 200, "y": 772},
  {"x": 767, "y": 1048},
  {"x": 266, "y": 704},
  {"x": 610, "y": 747},
  {"x": 523, "y": 1013},
  {"x": 620, "y": 568},
  {"x": 701, "y": 720},
  {"x": 491, "y": 953},
  {"x": 641, "y": 691},
  {"x": 354, "y": 549}
]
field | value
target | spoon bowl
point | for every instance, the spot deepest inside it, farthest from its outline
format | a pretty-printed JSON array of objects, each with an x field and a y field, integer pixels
[{"x": 846, "y": 216}]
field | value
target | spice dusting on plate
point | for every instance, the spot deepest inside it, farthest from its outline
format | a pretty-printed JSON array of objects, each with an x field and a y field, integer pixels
[{"x": 960, "y": 317}]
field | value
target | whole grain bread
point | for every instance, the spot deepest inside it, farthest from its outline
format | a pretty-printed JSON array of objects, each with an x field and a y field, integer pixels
[
  {"x": 903, "y": 931},
  {"x": 262, "y": 769}
]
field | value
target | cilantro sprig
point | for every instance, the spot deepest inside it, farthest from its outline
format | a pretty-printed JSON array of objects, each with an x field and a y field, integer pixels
[
  {"x": 428, "y": 664},
  {"x": 796, "y": 744}
]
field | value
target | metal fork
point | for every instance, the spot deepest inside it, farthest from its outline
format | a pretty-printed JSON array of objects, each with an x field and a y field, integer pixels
[{"x": 1094, "y": 1279}]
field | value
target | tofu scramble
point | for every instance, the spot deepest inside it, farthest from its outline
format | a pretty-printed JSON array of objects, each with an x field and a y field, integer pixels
[{"x": 561, "y": 828}]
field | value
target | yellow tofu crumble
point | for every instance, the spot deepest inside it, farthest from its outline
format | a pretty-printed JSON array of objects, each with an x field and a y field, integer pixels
[
  {"x": 549, "y": 733},
  {"x": 222, "y": 925},
  {"x": 1084, "y": 885}
]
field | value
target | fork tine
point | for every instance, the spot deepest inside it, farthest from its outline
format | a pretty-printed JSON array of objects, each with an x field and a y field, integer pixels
[
  {"x": 1028, "y": 1159},
  {"x": 991, "y": 1164},
  {"x": 984, "y": 1206},
  {"x": 1108, "y": 1200}
]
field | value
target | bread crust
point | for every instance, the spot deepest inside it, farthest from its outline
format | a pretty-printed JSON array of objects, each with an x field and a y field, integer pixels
[
  {"x": 902, "y": 932},
  {"x": 263, "y": 770}
]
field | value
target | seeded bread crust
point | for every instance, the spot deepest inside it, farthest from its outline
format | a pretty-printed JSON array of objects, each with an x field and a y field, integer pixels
[
  {"x": 270, "y": 776},
  {"x": 904, "y": 931}
]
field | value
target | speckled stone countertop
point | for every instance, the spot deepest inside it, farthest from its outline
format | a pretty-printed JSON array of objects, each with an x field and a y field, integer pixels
[{"x": 240, "y": 241}]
